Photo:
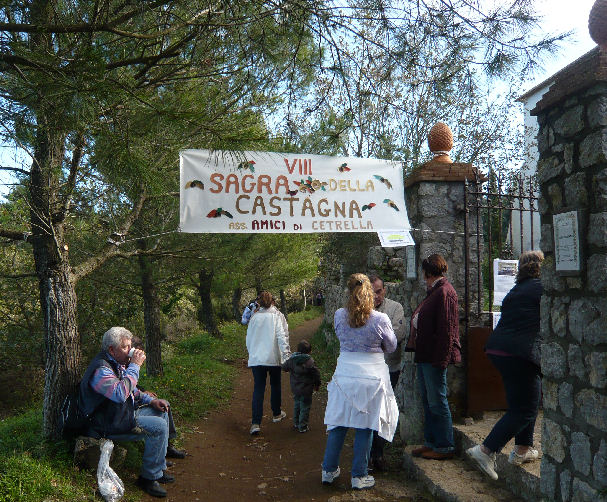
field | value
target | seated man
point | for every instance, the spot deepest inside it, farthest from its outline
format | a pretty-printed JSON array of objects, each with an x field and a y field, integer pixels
[
  {"x": 117, "y": 410},
  {"x": 172, "y": 452}
]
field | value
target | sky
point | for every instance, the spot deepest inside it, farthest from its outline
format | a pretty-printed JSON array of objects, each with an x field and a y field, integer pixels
[
  {"x": 560, "y": 16},
  {"x": 557, "y": 16}
]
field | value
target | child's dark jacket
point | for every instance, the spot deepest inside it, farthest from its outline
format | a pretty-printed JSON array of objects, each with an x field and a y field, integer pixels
[{"x": 305, "y": 376}]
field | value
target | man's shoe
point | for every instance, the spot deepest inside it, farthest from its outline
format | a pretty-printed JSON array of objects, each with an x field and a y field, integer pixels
[
  {"x": 529, "y": 456},
  {"x": 485, "y": 462},
  {"x": 363, "y": 482},
  {"x": 329, "y": 477},
  {"x": 166, "y": 478},
  {"x": 173, "y": 452},
  {"x": 417, "y": 452},
  {"x": 305, "y": 428},
  {"x": 168, "y": 463},
  {"x": 279, "y": 417},
  {"x": 151, "y": 487},
  {"x": 435, "y": 455},
  {"x": 254, "y": 430}
]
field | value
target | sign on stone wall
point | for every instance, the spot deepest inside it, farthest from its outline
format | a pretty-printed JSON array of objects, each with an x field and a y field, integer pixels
[{"x": 567, "y": 242}]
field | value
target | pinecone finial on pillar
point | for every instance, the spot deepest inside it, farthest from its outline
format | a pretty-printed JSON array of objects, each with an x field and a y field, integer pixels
[{"x": 440, "y": 141}]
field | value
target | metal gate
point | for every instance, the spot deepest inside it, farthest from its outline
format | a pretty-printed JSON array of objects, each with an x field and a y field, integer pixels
[{"x": 501, "y": 213}]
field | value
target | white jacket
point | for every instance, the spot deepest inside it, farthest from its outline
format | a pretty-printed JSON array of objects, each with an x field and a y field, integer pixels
[{"x": 267, "y": 342}]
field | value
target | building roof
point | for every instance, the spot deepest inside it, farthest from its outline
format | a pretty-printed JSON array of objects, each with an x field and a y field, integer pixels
[
  {"x": 581, "y": 61},
  {"x": 584, "y": 72}
]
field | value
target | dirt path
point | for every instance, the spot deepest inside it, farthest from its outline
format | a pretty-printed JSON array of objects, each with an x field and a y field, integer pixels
[{"x": 226, "y": 464}]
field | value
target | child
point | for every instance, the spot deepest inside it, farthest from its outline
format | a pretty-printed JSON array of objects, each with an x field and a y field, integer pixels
[{"x": 305, "y": 379}]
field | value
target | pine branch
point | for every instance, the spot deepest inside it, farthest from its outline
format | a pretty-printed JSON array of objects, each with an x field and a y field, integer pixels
[{"x": 112, "y": 248}]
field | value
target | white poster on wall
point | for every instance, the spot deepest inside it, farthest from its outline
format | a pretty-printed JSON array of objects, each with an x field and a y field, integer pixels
[
  {"x": 254, "y": 192},
  {"x": 395, "y": 239},
  {"x": 504, "y": 276}
]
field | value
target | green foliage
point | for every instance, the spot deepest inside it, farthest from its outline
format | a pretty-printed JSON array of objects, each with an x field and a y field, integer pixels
[
  {"x": 32, "y": 469},
  {"x": 326, "y": 351},
  {"x": 24, "y": 479}
]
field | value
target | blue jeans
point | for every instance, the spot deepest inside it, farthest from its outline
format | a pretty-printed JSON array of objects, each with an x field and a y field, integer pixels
[
  {"x": 362, "y": 447},
  {"x": 522, "y": 383},
  {"x": 259, "y": 389},
  {"x": 438, "y": 426},
  {"x": 155, "y": 425},
  {"x": 301, "y": 411}
]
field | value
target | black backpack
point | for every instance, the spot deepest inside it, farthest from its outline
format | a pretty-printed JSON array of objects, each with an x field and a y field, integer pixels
[{"x": 72, "y": 420}]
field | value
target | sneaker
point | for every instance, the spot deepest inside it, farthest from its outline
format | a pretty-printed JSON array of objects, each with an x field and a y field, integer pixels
[
  {"x": 329, "y": 477},
  {"x": 254, "y": 429},
  {"x": 363, "y": 482},
  {"x": 305, "y": 428},
  {"x": 485, "y": 462},
  {"x": 278, "y": 418},
  {"x": 529, "y": 456}
]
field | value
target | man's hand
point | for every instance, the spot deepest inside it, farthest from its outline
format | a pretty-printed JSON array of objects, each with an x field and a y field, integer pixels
[
  {"x": 138, "y": 357},
  {"x": 160, "y": 404}
]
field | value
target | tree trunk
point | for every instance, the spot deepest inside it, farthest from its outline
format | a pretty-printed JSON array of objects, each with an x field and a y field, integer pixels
[
  {"x": 58, "y": 298},
  {"x": 304, "y": 299},
  {"x": 205, "y": 314},
  {"x": 236, "y": 297},
  {"x": 151, "y": 315},
  {"x": 283, "y": 303},
  {"x": 258, "y": 285}
]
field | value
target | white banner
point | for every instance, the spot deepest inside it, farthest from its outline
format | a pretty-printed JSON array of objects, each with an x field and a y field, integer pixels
[{"x": 284, "y": 193}]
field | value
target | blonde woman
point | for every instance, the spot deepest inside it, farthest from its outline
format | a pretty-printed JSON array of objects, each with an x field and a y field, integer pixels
[
  {"x": 513, "y": 348},
  {"x": 360, "y": 394}
]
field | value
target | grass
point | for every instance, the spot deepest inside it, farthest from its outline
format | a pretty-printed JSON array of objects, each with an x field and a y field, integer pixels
[
  {"x": 199, "y": 372},
  {"x": 326, "y": 352}
]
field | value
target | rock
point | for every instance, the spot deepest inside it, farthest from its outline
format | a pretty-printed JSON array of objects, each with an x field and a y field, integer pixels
[{"x": 87, "y": 452}]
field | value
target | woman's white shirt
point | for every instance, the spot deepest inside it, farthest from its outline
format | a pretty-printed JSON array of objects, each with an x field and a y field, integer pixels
[{"x": 267, "y": 342}]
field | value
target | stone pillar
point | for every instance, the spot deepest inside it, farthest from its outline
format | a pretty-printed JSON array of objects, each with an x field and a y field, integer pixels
[
  {"x": 572, "y": 172},
  {"x": 435, "y": 204}
]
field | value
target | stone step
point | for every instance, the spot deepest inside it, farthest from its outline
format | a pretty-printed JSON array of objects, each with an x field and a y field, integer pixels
[
  {"x": 455, "y": 480},
  {"x": 523, "y": 480}
]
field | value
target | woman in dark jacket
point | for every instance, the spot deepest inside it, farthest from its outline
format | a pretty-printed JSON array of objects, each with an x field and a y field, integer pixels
[
  {"x": 435, "y": 326},
  {"x": 513, "y": 348}
]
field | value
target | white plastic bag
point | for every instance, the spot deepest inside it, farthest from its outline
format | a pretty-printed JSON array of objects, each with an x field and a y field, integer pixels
[{"x": 111, "y": 486}]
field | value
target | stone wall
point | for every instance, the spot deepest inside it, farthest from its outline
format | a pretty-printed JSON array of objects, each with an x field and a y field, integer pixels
[{"x": 572, "y": 172}]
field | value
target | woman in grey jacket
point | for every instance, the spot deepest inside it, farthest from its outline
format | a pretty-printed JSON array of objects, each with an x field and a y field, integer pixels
[{"x": 513, "y": 348}]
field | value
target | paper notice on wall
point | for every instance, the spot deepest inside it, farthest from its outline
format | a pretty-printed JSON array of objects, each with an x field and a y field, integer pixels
[
  {"x": 504, "y": 277},
  {"x": 395, "y": 238}
]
